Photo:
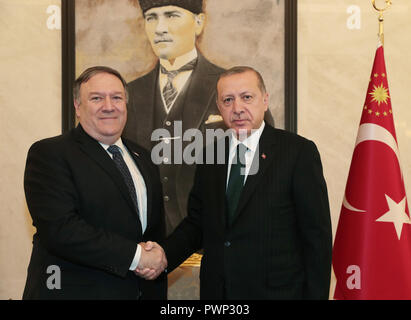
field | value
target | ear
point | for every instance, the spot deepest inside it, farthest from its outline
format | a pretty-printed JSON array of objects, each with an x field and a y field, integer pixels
[
  {"x": 199, "y": 22},
  {"x": 266, "y": 99},
  {"x": 77, "y": 107}
]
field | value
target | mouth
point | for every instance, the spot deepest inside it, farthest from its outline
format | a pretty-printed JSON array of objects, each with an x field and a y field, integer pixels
[
  {"x": 240, "y": 122},
  {"x": 157, "y": 41}
]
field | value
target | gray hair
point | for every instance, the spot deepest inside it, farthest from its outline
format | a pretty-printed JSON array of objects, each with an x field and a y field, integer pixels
[{"x": 243, "y": 69}]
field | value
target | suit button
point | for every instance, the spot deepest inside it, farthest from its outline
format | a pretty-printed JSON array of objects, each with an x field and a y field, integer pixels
[
  {"x": 165, "y": 179},
  {"x": 227, "y": 244},
  {"x": 168, "y": 123},
  {"x": 166, "y": 198}
]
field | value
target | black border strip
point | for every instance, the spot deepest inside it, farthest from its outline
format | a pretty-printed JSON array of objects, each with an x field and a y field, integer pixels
[
  {"x": 68, "y": 44},
  {"x": 290, "y": 74}
]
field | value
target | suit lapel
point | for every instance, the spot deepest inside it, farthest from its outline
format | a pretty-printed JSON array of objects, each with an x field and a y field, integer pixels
[
  {"x": 263, "y": 158},
  {"x": 199, "y": 95},
  {"x": 96, "y": 152},
  {"x": 144, "y": 104},
  {"x": 222, "y": 183}
]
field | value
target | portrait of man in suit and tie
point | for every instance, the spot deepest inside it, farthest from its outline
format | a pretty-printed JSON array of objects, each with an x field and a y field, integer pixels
[
  {"x": 179, "y": 88},
  {"x": 179, "y": 91}
]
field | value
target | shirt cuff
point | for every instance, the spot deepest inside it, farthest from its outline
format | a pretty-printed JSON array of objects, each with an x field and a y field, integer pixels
[{"x": 136, "y": 260}]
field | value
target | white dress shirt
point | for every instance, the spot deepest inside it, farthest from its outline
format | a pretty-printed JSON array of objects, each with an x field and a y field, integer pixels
[
  {"x": 251, "y": 142},
  {"x": 141, "y": 191},
  {"x": 181, "y": 79}
]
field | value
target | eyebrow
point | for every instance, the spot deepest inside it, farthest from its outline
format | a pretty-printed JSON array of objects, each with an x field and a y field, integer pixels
[
  {"x": 172, "y": 12},
  {"x": 155, "y": 14},
  {"x": 103, "y": 93},
  {"x": 240, "y": 94}
]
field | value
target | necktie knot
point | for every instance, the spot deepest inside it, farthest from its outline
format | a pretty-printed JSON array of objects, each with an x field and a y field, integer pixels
[
  {"x": 113, "y": 149},
  {"x": 172, "y": 74},
  {"x": 240, "y": 155}
]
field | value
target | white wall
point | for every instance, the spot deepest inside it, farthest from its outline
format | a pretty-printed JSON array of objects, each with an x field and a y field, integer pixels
[{"x": 30, "y": 108}]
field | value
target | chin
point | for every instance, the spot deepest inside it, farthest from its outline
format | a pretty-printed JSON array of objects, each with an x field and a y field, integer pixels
[
  {"x": 164, "y": 54},
  {"x": 110, "y": 132}
]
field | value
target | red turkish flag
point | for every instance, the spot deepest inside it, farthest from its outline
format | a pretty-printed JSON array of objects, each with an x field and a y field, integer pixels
[{"x": 372, "y": 247}]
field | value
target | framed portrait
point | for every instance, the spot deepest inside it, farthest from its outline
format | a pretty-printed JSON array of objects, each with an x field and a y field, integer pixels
[{"x": 257, "y": 33}]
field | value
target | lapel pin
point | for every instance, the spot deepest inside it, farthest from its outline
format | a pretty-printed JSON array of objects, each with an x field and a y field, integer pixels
[
  {"x": 263, "y": 156},
  {"x": 136, "y": 154}
]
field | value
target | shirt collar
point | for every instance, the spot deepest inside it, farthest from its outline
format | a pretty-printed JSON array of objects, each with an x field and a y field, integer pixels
[
  {"x": 251, "y": 142},
  {"x": 180, "y": 61}
]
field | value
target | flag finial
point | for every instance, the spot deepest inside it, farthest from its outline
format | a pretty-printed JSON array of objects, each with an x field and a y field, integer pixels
[{"x": 388, "y": 3}]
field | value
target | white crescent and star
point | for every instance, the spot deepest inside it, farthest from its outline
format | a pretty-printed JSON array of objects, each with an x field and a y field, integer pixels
[{"x": 396, "y": 213}]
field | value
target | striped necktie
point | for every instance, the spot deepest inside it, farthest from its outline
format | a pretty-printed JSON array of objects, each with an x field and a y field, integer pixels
[
  {"x": 169, "y": 91},
  {"x": 122, "y": 166}
]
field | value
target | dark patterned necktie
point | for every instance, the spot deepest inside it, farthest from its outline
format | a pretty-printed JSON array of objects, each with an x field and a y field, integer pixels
[
  {"x": 235, "y": 181},
  {"x": 169, "y": 91},
  {"x": 121, "y": 165}
]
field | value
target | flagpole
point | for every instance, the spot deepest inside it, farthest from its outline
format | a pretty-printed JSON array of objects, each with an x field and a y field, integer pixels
[{"x": 381, "y": 18}]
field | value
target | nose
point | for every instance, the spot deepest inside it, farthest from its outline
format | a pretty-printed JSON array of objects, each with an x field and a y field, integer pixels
[
  {"x": 237, "y": 107},
  {"x": 108, "y": 105},
  {"x": 162, "y": 26}
]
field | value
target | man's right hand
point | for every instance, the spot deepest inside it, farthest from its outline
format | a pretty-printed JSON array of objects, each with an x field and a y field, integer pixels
[{"x": 152, "y": 262}]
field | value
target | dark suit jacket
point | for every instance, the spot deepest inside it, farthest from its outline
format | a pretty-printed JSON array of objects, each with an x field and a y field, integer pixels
[
  {"x": 199, "y": 104},
  {"x": 86, "y": 221},
  {"x": 279, "y": 245}
]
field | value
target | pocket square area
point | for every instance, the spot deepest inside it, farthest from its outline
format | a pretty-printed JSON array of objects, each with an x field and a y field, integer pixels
[{"x": 214, "y": 118}]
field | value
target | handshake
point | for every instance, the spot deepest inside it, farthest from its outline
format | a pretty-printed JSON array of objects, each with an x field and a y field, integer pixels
[{"x": 152, "y": 262}]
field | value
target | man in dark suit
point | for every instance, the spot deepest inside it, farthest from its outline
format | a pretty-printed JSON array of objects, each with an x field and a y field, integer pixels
[
  {"x": 93, "y": 197},
  {"x": 177, "y": 95},
  {"x": 263, "y": 220}
]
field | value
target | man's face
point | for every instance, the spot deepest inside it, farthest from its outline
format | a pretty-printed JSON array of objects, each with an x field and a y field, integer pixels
[
  {"x": 102, "y": 110},
  {"x": 241, "y": 102},
  {"x": 172, "y": 30}
]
